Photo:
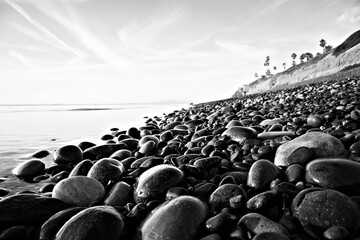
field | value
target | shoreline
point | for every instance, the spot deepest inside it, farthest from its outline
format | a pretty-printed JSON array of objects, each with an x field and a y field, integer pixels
[{"x": 282, "y": 160}]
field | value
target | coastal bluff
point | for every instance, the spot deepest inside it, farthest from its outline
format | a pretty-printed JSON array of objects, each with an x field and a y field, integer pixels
[{"x": 344, "y": 57}]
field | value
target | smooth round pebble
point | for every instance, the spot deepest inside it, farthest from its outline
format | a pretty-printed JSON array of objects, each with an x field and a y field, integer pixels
[
  {"x": 119, "y": 194},
  {"x": 179, "y": 219},
  {"x": 336, "y": 233},
  {"x": 322, "y": 208},
  {"x": 261, "y": 173},
  {"x": 68, "y": 154},
  {"x": 99, "y": 222},
  {"x": 79, "y": 191},
  {"x": 29, "y": 168},
  {"x": 154, "y": 182},
  {"x": 335, "y": 173},
  {"x": 40, "y": 154},
  {"x": 105, "y": 170},
  {"x": 220, "y": 198}
]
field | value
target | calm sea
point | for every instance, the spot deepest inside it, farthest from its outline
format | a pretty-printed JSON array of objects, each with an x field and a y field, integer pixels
[{"x": 25, "y": 129}]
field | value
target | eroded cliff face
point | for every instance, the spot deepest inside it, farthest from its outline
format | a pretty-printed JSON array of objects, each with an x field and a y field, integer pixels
[{"x": 330, "y": 64}]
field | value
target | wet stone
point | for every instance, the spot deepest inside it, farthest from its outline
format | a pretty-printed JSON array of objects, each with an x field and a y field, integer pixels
[
  {"x": 265, "y": 150},
  {"x": 257, "y": 224},
  {"x": 175, "y": 220},
  {"x": 118, "y": 195},
  {"x": 81, "y": 169},
  {"x": 40, "y": 154},
  {"x": 60, "y": 176},
  {"x": 336, "y": 233},
  {"x": 69, "y": 154},
  {"x": 85, "y": 145},
  {"x": 155, "y": 182},
  {"x": 29, "y": 168},
  {"x": 294, "y": 173},
  {"x": 335, "y": 173},
  {"x": 262, "y": 200},
  {"x": 102, "y": 151},
  {"x": 355, "y": 149},
  {"x": 214, "y": 223},
  {"x": 121, "y": 154},
  {"x": 261, "y": 173},
  {"x": 99, "y": 222},
  {"x": 106, "y": 170},
  {"x": 107, "y": 137},
  {"x": 221, "y": 196},
  {"x": 240, "y": 134},
  {"x": 319, "y": 209},
  {"x": 314, "y": 121}
]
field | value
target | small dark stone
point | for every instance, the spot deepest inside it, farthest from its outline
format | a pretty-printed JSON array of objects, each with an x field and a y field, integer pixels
[
  {"x": 29, "y": 168},
  {"x": 355, "y": 149},
  {"x": 69, "y": 154},
  {"x": 85, "y": 145},
  {"x": 336, "y": 233},
  {"x": 261, "y": 173},
  {"x": 47, "y": 188},
  {"x": 221, "y": 196},
  {"x": 40, "y": 154},
  {"x": 155, "y": 182}
]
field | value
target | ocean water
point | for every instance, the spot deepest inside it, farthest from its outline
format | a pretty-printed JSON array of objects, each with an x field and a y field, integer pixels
[{"x": 25, "y": 129}]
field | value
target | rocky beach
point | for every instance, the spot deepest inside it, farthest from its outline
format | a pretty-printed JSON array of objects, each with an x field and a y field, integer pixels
[{"x": 276, "y": 165}]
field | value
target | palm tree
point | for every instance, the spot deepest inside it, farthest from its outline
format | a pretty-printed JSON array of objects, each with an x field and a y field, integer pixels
[
  {"x": 302, "y": 57},
  {"x": 268, "y": 73},
  {"x": 327, "y": 48},
  {"x": 323, "y": 44},
  {"x": 308, "y": 56},
  {"x": 267, "y": 63},
  {"x": 293, "y": 56}
]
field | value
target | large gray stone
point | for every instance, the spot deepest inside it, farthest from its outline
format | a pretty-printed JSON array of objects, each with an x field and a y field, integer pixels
[
  {"x": 296, "y": 151},
  {"x": 322, "y": 208}
]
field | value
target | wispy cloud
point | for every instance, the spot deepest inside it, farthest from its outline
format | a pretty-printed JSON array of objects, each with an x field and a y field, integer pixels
[
  {"x": 351, "y": 15},
  {"x": 42, "y": 28},
  {"x": 240, "y": 48},
  {"x": 135, "y": 36},
  {"x": 41, "y": 1},
  {"x": 88, "y": 39},
  {"x": 21, "y": 58},
  {"x": 39, "y": 36},
  {"x": 270, "y": 6}
]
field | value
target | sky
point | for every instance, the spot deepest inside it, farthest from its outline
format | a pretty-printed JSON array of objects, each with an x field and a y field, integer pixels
[{"x": 126, "y": 51}]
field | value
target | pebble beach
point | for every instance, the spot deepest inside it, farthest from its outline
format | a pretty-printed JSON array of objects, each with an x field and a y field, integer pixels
[{"x": 277, "y": 165}]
